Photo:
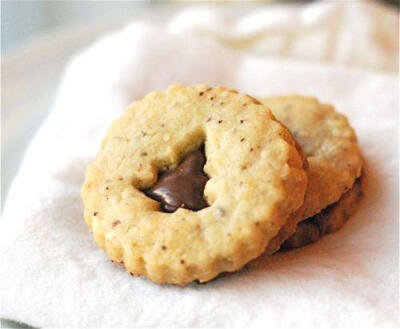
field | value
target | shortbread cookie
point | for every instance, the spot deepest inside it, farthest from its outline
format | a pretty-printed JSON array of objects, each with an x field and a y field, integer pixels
[
  {"x": 333, "y": 154},
  {"x": 331, "y": 147},
  {"x": 252, "y": 181},
  {"x": 329, "y": 220}
]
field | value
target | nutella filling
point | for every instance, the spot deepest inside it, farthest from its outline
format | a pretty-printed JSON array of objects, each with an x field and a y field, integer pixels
[{"x": 183, "y": 186}]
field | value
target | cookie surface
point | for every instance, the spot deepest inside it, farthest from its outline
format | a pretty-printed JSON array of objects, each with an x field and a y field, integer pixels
[
  {"x": 334, "y": 160},
  {"x": 330, "y": 144},
  {"x": 329, "y": 220},
  {"x": 255, "y": 182}
]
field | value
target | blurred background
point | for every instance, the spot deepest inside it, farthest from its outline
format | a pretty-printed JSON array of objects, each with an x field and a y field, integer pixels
[{"x": 22, "y": 21}]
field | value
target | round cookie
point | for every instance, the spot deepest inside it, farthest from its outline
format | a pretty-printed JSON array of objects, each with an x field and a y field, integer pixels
[
  {"x": 254, "y": 181},
  {"x": 333, "y": 155}
]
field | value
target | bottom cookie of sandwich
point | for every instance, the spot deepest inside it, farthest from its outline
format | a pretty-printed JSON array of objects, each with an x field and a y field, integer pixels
[{"x": 329, "y": 220}]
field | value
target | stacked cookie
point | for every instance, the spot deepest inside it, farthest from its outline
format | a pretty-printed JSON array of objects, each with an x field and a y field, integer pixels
[{"x": 197, "y": 181}]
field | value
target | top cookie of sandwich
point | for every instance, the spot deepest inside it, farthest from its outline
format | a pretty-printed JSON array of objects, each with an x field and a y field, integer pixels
[
  {"x": 253, "y": 175},
  {"x": 328, "y": 140}
]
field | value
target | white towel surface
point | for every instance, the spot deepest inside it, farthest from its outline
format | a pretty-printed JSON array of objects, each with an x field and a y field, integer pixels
[{"x": 52, "y": 273}]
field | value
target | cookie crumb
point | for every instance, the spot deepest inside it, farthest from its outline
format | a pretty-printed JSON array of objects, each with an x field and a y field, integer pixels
[
  {"x": 219, "y": 121},
  {"x": 212, "y": 98},
  {"x": 242, "y": 139},
  {"x": 241, "y": 121},
  {"x": 163, "y": 247},
  {"x": 95, "y": 213},
  {"x": 201, "y": 93}
]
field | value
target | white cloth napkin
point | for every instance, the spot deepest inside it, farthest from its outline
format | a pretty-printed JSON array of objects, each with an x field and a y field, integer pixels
[
  {"x": 52, "y": 273},
  {"x": 356, "y": 33}
]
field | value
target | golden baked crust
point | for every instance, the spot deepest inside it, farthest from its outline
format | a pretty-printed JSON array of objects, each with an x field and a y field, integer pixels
[
  {"x": 256, "y": 181},
  {"x": 330, "y": 144},
  {"x": 291, "y": 224}
]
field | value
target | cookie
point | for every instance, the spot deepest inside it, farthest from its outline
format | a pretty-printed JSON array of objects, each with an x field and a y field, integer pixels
[
  {"x": 331, "y": 147},
  {"x": 192, "y": 182},
  {"x": 328, "y": 140},
  {"x": 329, "y": 220}
]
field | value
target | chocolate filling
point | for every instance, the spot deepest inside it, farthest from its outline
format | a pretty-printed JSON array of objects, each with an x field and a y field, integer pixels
[
  {"x": 183, "y": 186},
  {"x": 315, "y": 227}
]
